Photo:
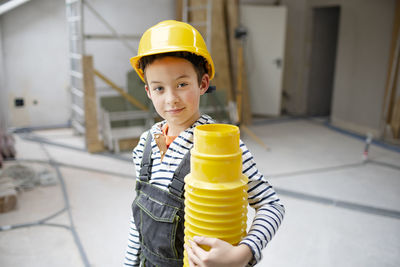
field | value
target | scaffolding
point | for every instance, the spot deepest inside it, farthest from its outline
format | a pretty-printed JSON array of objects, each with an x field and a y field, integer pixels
[{"x": 85, "y": 103}]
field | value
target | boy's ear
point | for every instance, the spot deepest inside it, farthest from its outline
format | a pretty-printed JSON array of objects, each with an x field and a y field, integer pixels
[
  {"x": 205, "y": 83},
  {"x": 147, "y": 91}
]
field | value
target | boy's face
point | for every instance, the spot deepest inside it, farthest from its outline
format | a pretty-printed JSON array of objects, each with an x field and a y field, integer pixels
[{"x": 173, "y": 87}]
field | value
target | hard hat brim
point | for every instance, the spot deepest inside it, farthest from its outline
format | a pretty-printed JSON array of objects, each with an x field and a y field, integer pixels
[{"x": 136, "y": 59}]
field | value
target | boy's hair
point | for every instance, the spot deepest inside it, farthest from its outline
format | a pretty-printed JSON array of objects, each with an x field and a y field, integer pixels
[{"x": 199, "y": 63}]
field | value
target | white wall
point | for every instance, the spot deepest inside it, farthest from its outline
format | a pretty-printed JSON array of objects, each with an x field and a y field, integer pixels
[{"x": 35, "y": 45}]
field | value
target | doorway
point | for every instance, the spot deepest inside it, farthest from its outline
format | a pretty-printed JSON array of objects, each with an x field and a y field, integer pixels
[
  {"x": 325, "y": 31},
  {"x": 264, "y": 55}
]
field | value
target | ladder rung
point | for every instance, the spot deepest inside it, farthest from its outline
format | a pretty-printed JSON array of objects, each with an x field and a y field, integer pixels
[
  {"x": 78, "y": 117},
  {"x": 199, "y": 7},
  {"x": 74, "y": 19},
  {"x": 110, "y": 36},
  {"x": 75, "y": 37},
  {"x": 78, "y": 110},
  {"x": 76, "y": 92},
  {"x": 78, "y": 126},
  {"x": 69, "y": 2},
  {"x": 75, "y": 55},
  {"x": 76, "y": 74}
]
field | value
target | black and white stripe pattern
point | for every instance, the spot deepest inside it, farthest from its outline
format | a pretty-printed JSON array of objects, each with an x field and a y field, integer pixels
[{"x": 261, "y": 195}]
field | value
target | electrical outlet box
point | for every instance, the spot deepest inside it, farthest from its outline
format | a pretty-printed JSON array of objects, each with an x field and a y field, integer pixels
[{"x": 19, "y": 102}]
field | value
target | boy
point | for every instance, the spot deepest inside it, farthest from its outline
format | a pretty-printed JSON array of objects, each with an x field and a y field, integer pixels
[{"x": 176, "y": 67}]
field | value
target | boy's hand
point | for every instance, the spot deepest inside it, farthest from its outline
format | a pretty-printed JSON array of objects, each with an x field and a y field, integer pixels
[{"x": 220, "y": 254}]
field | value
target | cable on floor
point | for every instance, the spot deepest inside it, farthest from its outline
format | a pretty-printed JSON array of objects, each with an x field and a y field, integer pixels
[
  {"x": 43, "y": 222},
  {"x": 67, "y": 207}
]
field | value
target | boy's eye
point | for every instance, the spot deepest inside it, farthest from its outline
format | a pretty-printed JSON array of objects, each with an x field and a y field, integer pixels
[
  {"x": 158, "y": 89},
  {"x": 182, "y": 85}
]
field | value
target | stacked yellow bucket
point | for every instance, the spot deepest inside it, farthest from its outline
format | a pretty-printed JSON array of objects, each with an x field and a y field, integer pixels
[{"x": 215, "y": 188}]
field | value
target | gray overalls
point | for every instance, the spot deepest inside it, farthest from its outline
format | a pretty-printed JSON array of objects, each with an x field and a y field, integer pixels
[{"x": 159, "y": 214}]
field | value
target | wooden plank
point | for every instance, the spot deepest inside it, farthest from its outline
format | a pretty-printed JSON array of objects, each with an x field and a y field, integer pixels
[
  {"x": 178, "y": 9},
  {"x": 219, "y": 50},
  {"x": 391, "y": 80},
  {"x": 239, "y": 85},
  {"x": 246, "y": 113},
  {"x": 395, "y": 122},
  {"x": 232, "y": 11},
  {"x": 232, "y": 22},
  {"x": 93, "y": 142},
  {"x": 124, "y": 94},
  {"x": 128, "y": 144}
]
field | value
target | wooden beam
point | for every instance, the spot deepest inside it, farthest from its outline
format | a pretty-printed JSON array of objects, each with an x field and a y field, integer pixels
[
  {"x": 178, "y": 9},
  {"x": 395, "y": 123},
  {"x": 391, "y": 80},
  {"x": 93, "y": 142},
  {"x": 220, "y": 50},
  {"x": 128, "y": 144},
  {"x": 124, "y": 94}
]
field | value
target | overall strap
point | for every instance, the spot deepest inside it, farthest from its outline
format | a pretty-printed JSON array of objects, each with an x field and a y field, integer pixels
[
  {"x": 177, "y": 185},
  {"x": 145, "y": 166}
]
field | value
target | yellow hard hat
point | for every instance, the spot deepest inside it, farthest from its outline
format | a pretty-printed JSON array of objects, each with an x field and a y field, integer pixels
[{"x": 172, "y": 36}]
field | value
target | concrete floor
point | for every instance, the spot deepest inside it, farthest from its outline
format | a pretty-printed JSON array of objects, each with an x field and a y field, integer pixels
[{"x": 339, "y": 210}]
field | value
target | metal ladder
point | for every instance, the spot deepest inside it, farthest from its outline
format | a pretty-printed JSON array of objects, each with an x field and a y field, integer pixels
[
  {"x": 74, "y": 13},
  {"x": 77, "y": 37},
  {"x": 187, "y": 8}
]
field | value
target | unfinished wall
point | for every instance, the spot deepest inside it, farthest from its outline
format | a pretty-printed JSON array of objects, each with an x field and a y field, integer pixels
[
  {"x": 362, "y": 64},
  {"x": 294, "y": 79},
  {"x": 365, "y": 30},
  {"x": 35, "y": 48}
]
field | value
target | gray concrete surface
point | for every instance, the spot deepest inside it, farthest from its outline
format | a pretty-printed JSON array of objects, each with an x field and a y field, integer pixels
[{"x": 340, "y": 211}]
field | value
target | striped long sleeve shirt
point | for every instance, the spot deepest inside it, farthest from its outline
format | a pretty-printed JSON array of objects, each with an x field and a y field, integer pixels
[{"x": 261, "y": 195}]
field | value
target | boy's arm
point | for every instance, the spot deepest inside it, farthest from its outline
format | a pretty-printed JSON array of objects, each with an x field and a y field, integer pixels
[
  {"x": 133, "y": 248},
  {"x": 268, "y": 207}
]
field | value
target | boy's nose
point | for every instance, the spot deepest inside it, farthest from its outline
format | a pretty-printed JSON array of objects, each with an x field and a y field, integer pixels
[{"x": 171, "y": 97}]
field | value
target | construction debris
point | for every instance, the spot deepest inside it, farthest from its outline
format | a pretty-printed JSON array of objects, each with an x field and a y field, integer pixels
[
  {"x": 22, "y": 177},
  {"x": 26, "y": 178},
  {"x": 7, "y": 150},
  {"x": 17, "y": 178},
  {"x": 8, "y": 195}
]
